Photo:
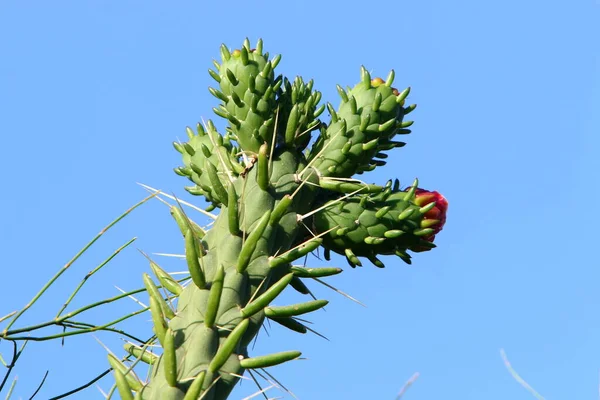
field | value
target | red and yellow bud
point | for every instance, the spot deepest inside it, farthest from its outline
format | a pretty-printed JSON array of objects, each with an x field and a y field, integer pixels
[{"x": 435, "y": 218}]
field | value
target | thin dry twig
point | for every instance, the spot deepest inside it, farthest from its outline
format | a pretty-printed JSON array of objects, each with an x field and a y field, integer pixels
[
  {"x": 408, "y": 384},
  {"x": 518, "y": 378}
]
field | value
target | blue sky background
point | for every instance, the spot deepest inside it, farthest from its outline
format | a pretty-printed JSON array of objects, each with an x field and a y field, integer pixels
[{"x": 93, "y": 93}]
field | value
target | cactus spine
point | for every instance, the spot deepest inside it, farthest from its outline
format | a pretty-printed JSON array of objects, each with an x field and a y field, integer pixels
[{"x": 277, "y": 204}]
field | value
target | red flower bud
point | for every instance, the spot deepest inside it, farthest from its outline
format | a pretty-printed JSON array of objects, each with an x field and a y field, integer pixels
[{"x": 437, "y": 213}]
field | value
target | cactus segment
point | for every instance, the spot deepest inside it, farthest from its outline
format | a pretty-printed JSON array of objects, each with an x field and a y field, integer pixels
[
  {"x": 232, "y": 211},
  {"x": 169, "y": 360},
  {"x": 214, "y": 298},
  {"x": 195, "y": 389},
  {"x": 140, "y": 353},
  {"x": 267, "y": 297},
  {"x": 290, "y": 323},
  {"x": 165, "y": 279},
  {"x": 251, "y": 242},
  {"x": 315, "y": 272},
  {"x": 296, "y": 252},
  {"x": 132, "y": 381},
  {"x": 160, "y": 325},
  {"x": 153, "y": 291},
  {"x": 295, "y": 309},
  {"x": 299, "y": 286},
  {"x": 122, "y": 385},
  {"x": 184, "y": 223},
  {"x": 228, "y": 346},
  {"x": 263, "y": 167},
  {"x": 192, "y": 256},
  {"x": 270, "y": 360}
]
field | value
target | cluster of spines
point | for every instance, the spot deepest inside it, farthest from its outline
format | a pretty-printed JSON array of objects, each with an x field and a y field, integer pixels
[
  {"x": 366, "y": 225},
  {"x": 360, "y": 132}
]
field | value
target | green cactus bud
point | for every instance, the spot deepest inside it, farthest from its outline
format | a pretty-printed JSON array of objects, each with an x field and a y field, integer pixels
[
  {"x": 372, "y": 115},
  {"x": 373, "y": 225}
]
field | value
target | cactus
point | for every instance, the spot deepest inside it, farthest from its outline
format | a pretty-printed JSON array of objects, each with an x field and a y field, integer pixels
[{"x": 277, "y": 202}]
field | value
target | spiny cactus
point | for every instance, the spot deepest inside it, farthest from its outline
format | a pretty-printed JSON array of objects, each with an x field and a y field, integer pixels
[{"x": 277, "y": 204}]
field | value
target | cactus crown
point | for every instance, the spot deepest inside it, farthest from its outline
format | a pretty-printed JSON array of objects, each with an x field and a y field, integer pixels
[{"x": 278, "y": 202}]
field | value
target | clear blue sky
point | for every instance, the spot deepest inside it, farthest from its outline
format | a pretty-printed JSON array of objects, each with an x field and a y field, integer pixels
[{"x": 93, "y": 93}]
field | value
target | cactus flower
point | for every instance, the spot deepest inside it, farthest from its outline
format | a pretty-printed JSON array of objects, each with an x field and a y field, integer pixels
[{"x": 436, "y": 216}]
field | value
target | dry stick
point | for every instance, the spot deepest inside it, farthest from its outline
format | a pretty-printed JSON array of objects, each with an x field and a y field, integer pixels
[
  {"x": 67, "y": 265},
  {"x": 408, "y": 384},
  {"x": 38, "y": 388},
  {"x": 517, "y": 377},
  {"x": 92, "y": 272},
  {"x": 58, "y": 321},
  {"x": 13, "y": 361},
  {"x": 12, "y": 387}
]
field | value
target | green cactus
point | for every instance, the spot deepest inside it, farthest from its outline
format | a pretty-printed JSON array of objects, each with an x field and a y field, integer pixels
[{"x": 277, "y": 204}]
